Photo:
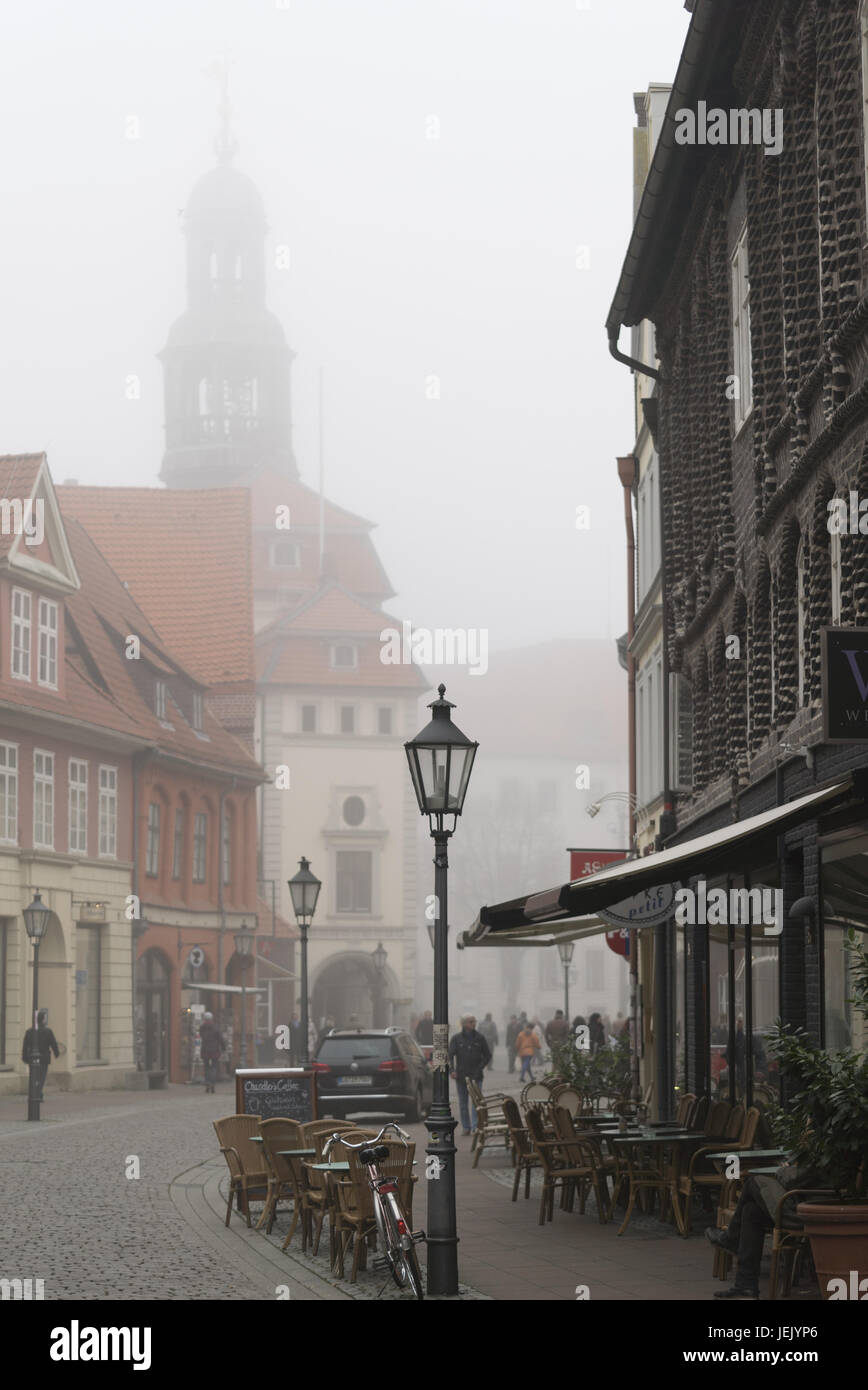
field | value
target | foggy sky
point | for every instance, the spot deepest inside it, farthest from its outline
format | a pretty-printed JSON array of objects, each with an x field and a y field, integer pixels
[{"x": 409, "y": 257}]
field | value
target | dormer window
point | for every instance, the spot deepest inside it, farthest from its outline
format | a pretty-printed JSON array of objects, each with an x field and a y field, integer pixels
[
  {"x": 47, "y": 674},
  {"x": 198, "y": 711},
  {"x": 160, "y": 699},
  {"x": 285, "y": 555},
  {"x": 344, "y": 656},
  {"x": 21, "y": 623}
]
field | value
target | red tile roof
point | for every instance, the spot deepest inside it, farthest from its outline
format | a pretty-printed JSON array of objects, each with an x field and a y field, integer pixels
[
  {"x": 186, "y": 557},
  {"x": 295, "y": 648}
]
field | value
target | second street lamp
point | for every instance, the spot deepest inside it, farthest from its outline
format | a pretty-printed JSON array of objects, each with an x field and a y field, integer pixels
[
  {"x": 379, "y": 959},
  {"x": 441, "y": 759},
  {"x": 565, "y": 951},
  {"x": 304, "y": 890},
  {"x": 35, "y": 922},
  {"x": 244, "y": 939}
]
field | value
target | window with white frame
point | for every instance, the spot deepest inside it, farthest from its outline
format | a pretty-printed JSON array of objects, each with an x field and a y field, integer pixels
[
  {"x": 43, "y": 799},
  {"x": 108, "y": 812},
  {"x": 227, "y": 845},
  {"x": 198, "y": 710},
  {"x": 178, "y": 845},
  {"x": 648, "y": 527},
  {"x": 741, "y": 349},
  {"x": 152, "y": 857},
  {"x": 9, "y": 793},
  {"x": 344, "y": 656},
  {"x": 200, "y": 847},
  {"x": 21, "y": 623},
  {"x": 77, "y": 806},
  {"x": 354, "y": 880},
  {"x": 835, "y": 567},
  {"x": 160, "y": 694},
  {"x": 308, "y": 719},
  {"x": 47, "y": 670},
  {"x": 649, "y": 730},
  {"x": 801, "y": 622}
]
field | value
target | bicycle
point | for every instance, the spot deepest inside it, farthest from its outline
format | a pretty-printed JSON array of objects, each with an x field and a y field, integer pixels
[{"x": 397, "y": 1240}]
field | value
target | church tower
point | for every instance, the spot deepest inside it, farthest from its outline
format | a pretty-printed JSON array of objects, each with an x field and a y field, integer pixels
[{"x": 226, "y": 363}]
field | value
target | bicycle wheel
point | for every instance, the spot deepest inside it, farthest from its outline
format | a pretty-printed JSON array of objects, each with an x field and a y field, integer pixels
[{"x": 403, "y": 1263}]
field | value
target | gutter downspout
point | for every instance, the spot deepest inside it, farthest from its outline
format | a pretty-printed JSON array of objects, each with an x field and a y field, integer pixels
[
  {"x": 627, "y": 476},
  {"x": 632, "y": 362}
]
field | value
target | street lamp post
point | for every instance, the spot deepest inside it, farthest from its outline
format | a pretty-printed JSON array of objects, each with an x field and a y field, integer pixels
[
  {"x": 35, "y": 922},
  {"x": 379, "y": 958},
  {"x": 244, "y": 939},
  {"x": 304, "y": 890},
  {"x": 565, "y": 951},
  {"x": 441, "y": 759}
]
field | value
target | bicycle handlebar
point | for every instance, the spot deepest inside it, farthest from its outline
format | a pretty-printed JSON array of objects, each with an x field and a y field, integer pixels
[{"x": 338, "y": 1139}]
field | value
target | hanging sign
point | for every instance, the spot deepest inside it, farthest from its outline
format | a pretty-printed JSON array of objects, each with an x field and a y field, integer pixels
[
  {"x": 643, "y": 909},
  {"x": 618, "y": 940},
  {"x": 845, "y": 684}
]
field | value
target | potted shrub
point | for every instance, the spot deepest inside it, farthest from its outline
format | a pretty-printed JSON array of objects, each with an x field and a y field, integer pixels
[{"x": 824, "y": 1125}]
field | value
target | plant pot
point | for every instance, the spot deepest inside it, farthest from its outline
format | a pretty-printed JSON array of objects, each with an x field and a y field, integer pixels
[{"x": 839, "y": 1244}]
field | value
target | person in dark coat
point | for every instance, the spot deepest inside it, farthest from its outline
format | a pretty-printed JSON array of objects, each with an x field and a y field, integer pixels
[
  {"x": 557, "y": 1029},
  {"x": 469, "y": 1055},
  {"x": 42, "y": 1040},
  {"x": 597, "y": 1033},
  {"x": 425, "y": 1030},
  {"x": 753, "y": 1217},
  {"x": 513, "y": 1028},
  {"x": 212, "y": 1048}
]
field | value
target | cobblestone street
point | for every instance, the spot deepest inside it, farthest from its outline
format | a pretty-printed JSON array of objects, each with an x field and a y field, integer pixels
[{"x": 73, "y": 1219}]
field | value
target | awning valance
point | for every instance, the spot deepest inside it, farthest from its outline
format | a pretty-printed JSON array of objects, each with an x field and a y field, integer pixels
[{"x": 569, "y": 909}]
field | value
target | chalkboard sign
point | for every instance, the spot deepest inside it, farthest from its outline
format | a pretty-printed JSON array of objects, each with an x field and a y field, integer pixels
[{"x": 276, "y": 1092}]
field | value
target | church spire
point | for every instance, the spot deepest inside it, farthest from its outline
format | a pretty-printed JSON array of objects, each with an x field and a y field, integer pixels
[{"x": 225, "y": 145}]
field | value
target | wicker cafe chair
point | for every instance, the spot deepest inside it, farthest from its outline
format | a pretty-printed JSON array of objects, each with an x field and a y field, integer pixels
[
  {"x": 247, "y": 1173},
  {"x": 535, "y": 1093},
  {"x": 280, "y": 1133},
  {"x": 490, "y": 1120},
  {"x": 738, "y": 1135},
  {"x": 568, "y": 1097},
  {"x": 524, "y": 1156},
  {"x": 354, "y": 1220},
  {"x": 581, "y": 1151},
  {"x": 556, "y": 1171},
  {"x": 789, "y": 1240}
]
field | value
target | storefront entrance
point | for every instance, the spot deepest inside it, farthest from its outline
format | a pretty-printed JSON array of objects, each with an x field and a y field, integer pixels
[{"x": 152, "y": 1011}]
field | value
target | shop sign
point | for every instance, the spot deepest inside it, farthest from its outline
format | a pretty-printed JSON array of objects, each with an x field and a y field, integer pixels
[
  {"x": 618, "y": 940},
  {"x": 845, "y": 684},
  {"x": 643, "y": 909},
  {"x": 590, "y": 861}
]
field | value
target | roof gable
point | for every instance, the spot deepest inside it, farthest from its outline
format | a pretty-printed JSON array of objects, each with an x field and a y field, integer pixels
[{"x": 33, "y": 541}]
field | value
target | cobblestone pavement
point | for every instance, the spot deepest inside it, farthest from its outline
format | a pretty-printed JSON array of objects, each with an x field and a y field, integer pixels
[{"x": 72, "y": 1218}]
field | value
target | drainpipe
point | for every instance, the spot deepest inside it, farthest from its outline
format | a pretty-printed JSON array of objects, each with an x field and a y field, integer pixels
[
  {"x": 627, "y": 475},
  {"x": 137, "y": 762}
]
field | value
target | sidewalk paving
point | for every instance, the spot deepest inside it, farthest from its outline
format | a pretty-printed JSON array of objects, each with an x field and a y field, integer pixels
[{"x": 504, "y": 1254}]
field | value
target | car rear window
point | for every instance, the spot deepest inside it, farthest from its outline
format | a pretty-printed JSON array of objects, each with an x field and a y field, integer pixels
[{"x": 355, "y": 1050}]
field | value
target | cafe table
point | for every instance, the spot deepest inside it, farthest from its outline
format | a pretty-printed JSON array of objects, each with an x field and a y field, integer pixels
[{"x": 644, "y": 1170}]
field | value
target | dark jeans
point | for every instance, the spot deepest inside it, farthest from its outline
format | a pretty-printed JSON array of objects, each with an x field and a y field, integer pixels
[
  {"x": 510, "y": 1052},
  {"x": 748, "y": 1227},
  {"x": 465, "y": 1108},
  {"x": 210, "y": 1070},
  {"x": 41, "y": 1074}
]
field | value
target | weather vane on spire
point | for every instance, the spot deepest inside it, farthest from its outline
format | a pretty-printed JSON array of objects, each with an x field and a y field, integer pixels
[{"x": 225, "y": 144}]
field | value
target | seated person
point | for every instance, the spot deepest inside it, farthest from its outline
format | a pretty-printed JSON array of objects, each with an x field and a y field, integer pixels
[{"x": 753, "y": 1217}]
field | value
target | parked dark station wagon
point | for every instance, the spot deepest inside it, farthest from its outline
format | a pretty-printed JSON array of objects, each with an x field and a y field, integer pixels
[{"x": 372, "y": 1069}]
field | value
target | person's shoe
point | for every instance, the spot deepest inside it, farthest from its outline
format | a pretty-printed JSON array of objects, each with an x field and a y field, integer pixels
[
  {"x": 465, "y": 1131},
  {"x": 721, "y": 1239},
  {"x": 739, "y": 1295}
]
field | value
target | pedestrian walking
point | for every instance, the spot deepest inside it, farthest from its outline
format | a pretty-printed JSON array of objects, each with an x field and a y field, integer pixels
[
  {"x": 212, "y": 1047},
  {"x": 527, "y": 1045},
  {"x": 557, "y": 1029},
  {"x": 42, "y": 1041},
  {"x": 488, "y": 1029},
  {"x": 469, "y": 1055},
  {"x": 425, "y": 1030},
  {"x": 513, "y": 1028},
  {"x": 597, "y": 1033}
]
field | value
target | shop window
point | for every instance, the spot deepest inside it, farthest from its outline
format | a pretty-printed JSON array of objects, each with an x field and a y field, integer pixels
[{"x": 88, "y": 992}]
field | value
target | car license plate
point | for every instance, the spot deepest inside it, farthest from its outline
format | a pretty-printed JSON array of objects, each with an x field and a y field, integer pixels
[{"x": 354, "y": 1080}]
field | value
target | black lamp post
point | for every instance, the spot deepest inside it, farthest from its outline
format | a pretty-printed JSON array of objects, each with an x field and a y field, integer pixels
[
  {"x": 244, "y": 939},
  {"x": 35, "y": 922},
  {"x": 304, "y": 890},
  {"x": 441, "y": 759},
  {"x": 565, "y": 951}
]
